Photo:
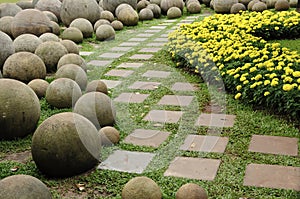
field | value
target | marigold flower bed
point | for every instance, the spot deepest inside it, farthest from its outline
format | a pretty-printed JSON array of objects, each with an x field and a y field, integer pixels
[{"x": 234, "y": 49}]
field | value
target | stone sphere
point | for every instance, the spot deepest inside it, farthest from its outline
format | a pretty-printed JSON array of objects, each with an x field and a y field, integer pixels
[
  {"x": 128, "y": 16},
  {"x": 51, "y": 16},
  {"x": 194, "y": 7},
  {"x": 109, "y": 136},
  {"x": 111, "y": 5},
  {"x": 24, "y": 66},
  {"x": 97, "y": 86},
  {"x": 105, "y": 32},
  {"x": 20, "y": 109},
  {"x": 23, "y": 186},
  {"x": 221, "y": 6},
  {"x": 107, "y": 15},
  {"x": 141, "y": 188},
  {"x": 7, "y": 48},
  {"x": 191, "y": 191},
  {"x": 236, "y": 8},
  {"x": 98, "y": 108},
  {"x": 271, "y": 3},
  {"x": 25, "y": 4},
  {"x": 84, "y": 26},
  {"x": 55, "y": 28},
  {"x": 117, "y": 25},
  {"x": 251, "y": 3},
  {"x": 71, "y": 46},
  {"x": 39, "y": 86},
  {"x": 49, "y": 37},
  {"x": 30, "y": 21},
  {"x": 72, "y": 58},
  {"x": 165, "y": 5},
  {"x": 73, "y": 34},
  {"x": 50, "y": 52},
  {"x": 49, "y": 5},
  {"x": 120, "y": 7},
  {"x": 66, "y": 144},
  {"x": 155, "y": 9},
  {"x": 5, "y": 23},
  {"x": 73, "y": 9},
  {"x": 157, "y": 2},
  {"x": 1, "y": 75},
  {"x": 174, "y": 13},
  {"x": 73, "y": 72},
  {"x": 245, "y": 2},
  {"x": 142, "y": 4},
  {"x": 259, "y": 7},
  {"x": 27, "y": 43},
  {"x": 282, "y": 5},
  {"x": 146, "y": 14},
  {"x": 100, "y": 22},
  {"x": 9, "y": 9}
]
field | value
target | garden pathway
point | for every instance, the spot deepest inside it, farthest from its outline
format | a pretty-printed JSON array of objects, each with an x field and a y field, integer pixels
[{"x": 147, "y": 78}]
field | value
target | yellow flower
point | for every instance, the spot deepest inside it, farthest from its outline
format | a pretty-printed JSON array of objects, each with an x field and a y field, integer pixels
[
  {"x": 236, "y": 76},
  {"x": 266, "y": 82},
  {"x": 237, "y": 96},
  {"x": 257, "y": 77},
  {"x": 287, "y": 87},
  {"x": 276, "y": 28},
  {"x": 296, "y": 74},
  {"x": 242, "y": 79},
  {"x": 274, "y": 82},
  {"x": 253, "y": 69},
  {"x": 239, "y": 87},
  {"x": 266, "y": 93}
]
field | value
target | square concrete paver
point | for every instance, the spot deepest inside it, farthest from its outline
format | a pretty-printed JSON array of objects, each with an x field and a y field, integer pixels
[
  {"x": 193, "y": 168},
  {"x": 158, "y": 27},
  {"x": 274, "y": 145},
  {"x": 272, "y": 176},
  {"x": 131, "y": 97},
  {"x": 99, "y": 62},
  {"x": 216, "y": 120},
  {"x": 170, "y": 20},
  {"x": 129, "y": 44},
  {"x": 141, "y": 56},
  {"x": 130, "y": 65},
  {"x": 144, "y": 137},
  {"x": 121, "y": 49},
  {"x": 111, "y": 83},
  {"x": 111, "y": 55},
  {"x": 161, "y": 40},
  {"x": 176, "y": 100},
  {"x": 138, "y": 39},
  {"x": 149, "y": 50},
  {"x": 182, "y": 86},
  {"x": 156, "y": 73},
  {"x": 164, "y": 35},
  {"x": 119, "y": 73},
  {"x": 155, "y": 44},
  {"x": 85, "y": 53},
  {"x": 163, "y": 116},
  {"x": 145, "y": 35},
  {"x": 127, "y": 161},
  {"x": 144, "y": 85},
  {"x": 152, "y": 31},
  {"x": 205, "y": 143}
]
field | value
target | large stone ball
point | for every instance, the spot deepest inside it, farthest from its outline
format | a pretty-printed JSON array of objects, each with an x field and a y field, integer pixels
[
  {"x": 24, "y": 66},
  {"x": 194, "y": 7},
  {"x": 19, "y": 108},
  {"x": 117, "y": 25},
  {"x": 9, "y": 9},
  {"x": 73, "y": 34},
  {"x": 49, "y": 37},
  {"x": 49, "y": 5},
  {"x": 25, "y": 4},
  {"x": 236, "y": 8},
  {"x": 111, "y": 5},
  {"x": 155, "y": 9},
  {"x": 84, "y": 26},
  {"x": 55, "y": 28},
  {"x": 128, "y": 16},
  {"x": 51, "y": 16},
  {"x": 97, "y": 86},
  {"x": 100, "y": 22},
  {"x": 107, "y": 15},
  {"x": 73, "y": 9},
  {"x": 142, "y": 4},
  {"x": 259, "y": 7},
  {"x": 251, "y": 3},
  {"x": 73, "y": 72},
  {"x": 7, "y": 48},
  {"x": 282, "y": 5},
  {"x": 30, "y": 21},
  {"x": 165, "y": 5},
  {"x": 27, "y": 43},
  {"x": 157, "y": 2},
  {"x": 174, "y": 13},
  {"x": 5, "y": 24},
  {"x": 98, "y": 108},
  {"x": 50, "y": 52},
  {"x": 23, "y": 186},
  {"x": 191, "y": 191},
  {"x": 105, "y": 32},
  {"x": 109, "y": 135},
  {"x": 221, "y": 6},
  {"x": 72, "y": 58},
  {"x": 146, "y": 14},
  {"x": 63, "y": 93},
  {"x": 66, "y": 144},
  {"x": 141, "y": 188},
  {"x": 71, "y": 46},
  {"x": 39, "y": 86}
]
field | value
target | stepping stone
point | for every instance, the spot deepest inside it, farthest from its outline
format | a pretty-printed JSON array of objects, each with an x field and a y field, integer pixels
[
  {"x": 111, "y": 83},
  {"x": 216, "y": 120},
  {"x": 150, "y": 50},
  {"x": 150, "y": 138},
  {"x": 131, "y": 97},
  {"x": 138, "y": 39},
  {"x": 161, "y": 39},
  {"x": 85, "y": 53},
  {"x": 119, "y": 73},
  {"x": 122, "y": 49},
  {"x": 193, "y": 168},
  {"x": 192, "y": 17},
  {"x": 182, "y": 86},
  {"x": 176, "y": 100},
  {"x": 274, "y": 145},
  {"x": 158, "y": 27},
  {"x": 130, "y": 65},
  {"x": 187, "y": 21},
  {"x": 127, "y": 161},
  {"x": 155, "y": 73},
  {"x": 170, "y": 20},
  {"x": 144, "y": 85},
  {"x": 205, "y": 143},
  {"x": 164, "y": 35},
  {"x": 145, "y": 35},
  {"x": 100, "y": 62},
  {"x": 272, "y": 176},
  {"x": 172, "y": 30},
  {"x": 152, "y": 31},
  {"x": 111, "y": 55},
  {"x": 156, "y": 44},
  {"x": 163, "y": 116},
  {"x": 129, "y": 44},
  {"x": 141, "y": 56}
]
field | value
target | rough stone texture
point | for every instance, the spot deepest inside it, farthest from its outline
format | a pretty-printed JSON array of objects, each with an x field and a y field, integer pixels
[
  {"x": 71, "y": 46},
  {"x": 174, "y": 13},
  {"x": 117, "y": 25},
  {"x": 150, "y": 138},
  {"x": 221, "y": 6},
  {"x": 109, "y": 136},
  {"x": 111, "y": 5},
  {"x": 97, "y": 86},
  {"x": 39, "y": 86},
  {"x": 55, "y": 28},
  {"x": 194, "y": 7},
  {"x": 107, "y": 15},
  {"x": 9, "y": 9},
  {"x": 155, "y": 9},
  {"x": 131, "y": 97},
  {"x": 142, "y": 4},
  {"x": 165, "y": 5},
  {"x": 26, "y": 42},
  {"x": 105, "y": 32},
  {"x": 282, "y": 5},
  {"x": 7, "y": 48},
  {"x": 49, "y": 5},
  {"x": 72, "y": 58},
  {"x": 84, "y": 25},
  {"x": 216, "y": 120},
  {"x": 73, "y": 34},
  {"x": 25, "y": 4},
  {"x": 49, "y": 37},
  {"x": 237, "y": 7},
  {"x": 5, "y": 23},
  {"x": 259, "y": 7},
  {"x": 163, "y": 116},
  {"x": 101, "y": 22},
  {"x": 146, "y": 14},
  {"x": 51, "y": 16},
  {"x": 145, "y": 85},
  {"x": 128, "y": 16},
  {"x": 191, "y": 191}
]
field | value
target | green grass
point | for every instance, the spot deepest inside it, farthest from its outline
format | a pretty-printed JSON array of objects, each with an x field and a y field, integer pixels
[
  {"x": 8, "y": 1},
  {"x": 293, "y": 44}
]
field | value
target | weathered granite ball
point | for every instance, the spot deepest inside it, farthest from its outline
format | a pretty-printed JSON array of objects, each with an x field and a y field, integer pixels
[
  {"x": 55, "y": 28},
  {"x": 111, "y": 5},
  {"x": 117, "y": 25},
  {"x": 23, "y": 186},
  {"x": 141, "y": 188},
  {"x": 25, "y": 4},
  {"x": 259, "y": 7},
  {"x": 146, "y": 14},
  {"x": 251, "y": 3},
  {"x": 100, "y": 22},
  {"x": 9, "y": 9},
  {"x": 107, "y": 15},
  {"x": 72, "y": 58},
  {"x": 282, "y": 5},
  {"x": 97, "y": 86},
  {"x": 127, "y": 15},
  {"x": 142, "y": 4},
  {"x": 66, "y": 144},
  {"x": 155, "y": 9},
  {"x": 73, "y": 34},
  {"x": 53, "y": 6},
  {"x": 27, "y": 43},
  {"x": 71, "y": 46},
  {"x": 39, "y": 86},
  {"x": 84, "y": 26},
  {"x": 165, "y": 5},
  {"x": 7, "y": 48},
  {"x": 51, "y": 16},
  {"x": 157, "y": 2},
  {"x": 221, "y": 6},
  {"x": 5, "y": 23},
  {"x": 49, "y": 37},
  {"x": 194, "y": 7},
  {"x": 20, "y": 109},
  {"x": 98, "y": 108},
  {"x": 236, "y": 8},
  {"x": 24, "y": 66},
  {"x": 109, "y": 136},
  {"x": 105, "y": 32},
  {"x": 191, "y": 191},
  {"x": 174, "y": 13},
  {"x": 63, "y": 93}
]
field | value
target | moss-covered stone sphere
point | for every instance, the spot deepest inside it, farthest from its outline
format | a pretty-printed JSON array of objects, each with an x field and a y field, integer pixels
[
  {"x": 155, "y": 9},
  {"x": 73, "y": 72},
  {"x": 84, "y": 26},
  {"x": 117, "y": 25},
  {"x": 23, "y": 186},
  {"x": 251, "y": 3},
  {"x": 236, "y": 8},
  {"x": 49, "y": 37},
  {"x": 9, "y": 9},
  {"x": 165, "y": 5},
  {"x": 259, "y": 7},
  {"x": 128, "y": 16},
  {"x": 141, "y": 188},
  {"x": 109, "y": 135},
  {"x": 71, "y": 46},
  {"x": 142, "y": 4},
  {"x": 63, "y": 93},
  {"x": 105, "y": 32},
  {"x": 174, "y": 13},
  {"x": 7, "y": 48},
  {"x": 39, "y": 86},
  {"x": 66, "y": 144},
  {"x": 27, "y": 43},
  {"x": 50, "y": 52},
  {"x": 100, "y": 22},
  {"x": 24, "y": 66},
  {"x": 20, "y": 109},
  {"x": 72, "y": 58},
  {"x": 73, "y": 34},
  {"x": 107, "y": 15},
  {"x": 282, "y": 5},
  {"x": 194, "y": 7},
  {"x": 51, "y": 16},
  {"x": 98, "y": 108},
  {"x": 97, "y": 86},
  {"x": 191, "y": 191},
  {"x": 53, "y": 6},
  {"x": 5, "y": 24},
  {"x": 221, "y": 6},
  {"x": 146, "y": 14}
]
